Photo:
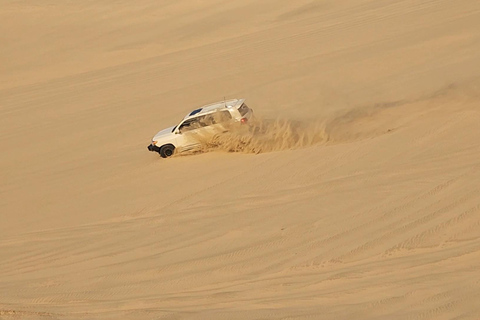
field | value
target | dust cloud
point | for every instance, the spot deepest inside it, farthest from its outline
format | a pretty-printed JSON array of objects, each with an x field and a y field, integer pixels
[{"x": 264, "y": 135}]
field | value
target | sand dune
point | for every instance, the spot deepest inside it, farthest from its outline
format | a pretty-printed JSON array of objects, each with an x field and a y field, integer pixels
[{"x": 359, "y": 200}]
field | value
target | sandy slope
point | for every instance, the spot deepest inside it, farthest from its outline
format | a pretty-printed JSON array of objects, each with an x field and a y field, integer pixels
[{"x": 378, "y": 221}]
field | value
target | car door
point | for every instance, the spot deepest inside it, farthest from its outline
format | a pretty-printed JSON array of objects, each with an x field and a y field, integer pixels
[
  {"x": 185, "y": 134},
  {"x": 193, "y": 131}
]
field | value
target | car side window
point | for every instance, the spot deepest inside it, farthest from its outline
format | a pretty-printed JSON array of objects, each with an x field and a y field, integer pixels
[
  {"x": 225, "y": 115},
  {"x": 187, "y": 125},
  {"x": 194, "y": 123},
  {"x": 221, "y": 116},
  {"x": 204, "y": 121}
]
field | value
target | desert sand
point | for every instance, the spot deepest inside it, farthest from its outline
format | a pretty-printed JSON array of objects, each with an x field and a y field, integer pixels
[{"x": 377, "y": 216}]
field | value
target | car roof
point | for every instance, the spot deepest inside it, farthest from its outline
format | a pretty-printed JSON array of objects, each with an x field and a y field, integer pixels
[{"x": 215, "y": 106}]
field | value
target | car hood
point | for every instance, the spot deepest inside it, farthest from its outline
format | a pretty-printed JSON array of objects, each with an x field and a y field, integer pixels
[{"x": 164, "y": 132}]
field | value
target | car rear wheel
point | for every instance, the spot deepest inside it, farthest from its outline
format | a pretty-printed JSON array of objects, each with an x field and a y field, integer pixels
[{"x": 167, "y": 150}]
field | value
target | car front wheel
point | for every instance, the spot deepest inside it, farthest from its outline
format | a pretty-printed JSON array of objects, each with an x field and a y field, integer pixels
[{"x": 167, "y": 150}]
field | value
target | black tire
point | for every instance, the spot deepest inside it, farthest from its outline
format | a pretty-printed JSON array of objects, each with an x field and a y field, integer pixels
[{"x": 167, "y": 151}]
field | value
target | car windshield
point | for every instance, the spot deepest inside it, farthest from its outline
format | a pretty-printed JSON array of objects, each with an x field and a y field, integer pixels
[{"x": 194, "y": 112}]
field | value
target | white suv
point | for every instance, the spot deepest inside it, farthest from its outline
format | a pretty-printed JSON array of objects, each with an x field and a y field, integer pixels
[{"x": 207, "y": 119}]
